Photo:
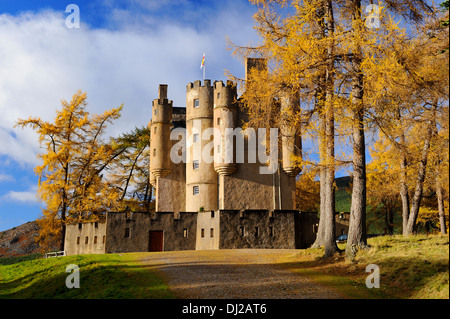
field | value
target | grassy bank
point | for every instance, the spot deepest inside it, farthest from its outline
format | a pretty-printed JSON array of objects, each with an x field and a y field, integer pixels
[
  {"x": 101, "y": 276},
  {"x": 412, "y": 267}
]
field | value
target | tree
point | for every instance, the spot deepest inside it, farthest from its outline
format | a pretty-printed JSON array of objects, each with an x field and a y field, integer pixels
[
  {"x": 308, "y": 192},
  {"x": 408, "y": 95},
  {"x": 74, "y": 159},
  {"x": 130, "y": 170},
  {"x": 351, "y": 75},
  {"x": 383, "y": 196},
  {"x": 299, "y": 48}
]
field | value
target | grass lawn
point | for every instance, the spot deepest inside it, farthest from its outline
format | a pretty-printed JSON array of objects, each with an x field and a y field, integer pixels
[
  {"x": 415, "y": 267},
  {"x": 114, "y": 276}
]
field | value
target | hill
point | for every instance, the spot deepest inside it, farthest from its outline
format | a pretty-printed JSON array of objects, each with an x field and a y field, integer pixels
[
  {"x": 20, "y": 240},
  {"x": 343, "y": 196}
]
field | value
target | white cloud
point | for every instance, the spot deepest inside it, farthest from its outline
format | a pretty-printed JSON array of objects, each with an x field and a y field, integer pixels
[
  {"x": 42, "y": 62},
  {"x": 22, "y": 197},
  {"x": 6, "y": 178}
]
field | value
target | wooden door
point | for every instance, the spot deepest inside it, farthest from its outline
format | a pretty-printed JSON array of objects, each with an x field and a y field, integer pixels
[{"x": 155, "y": 240}]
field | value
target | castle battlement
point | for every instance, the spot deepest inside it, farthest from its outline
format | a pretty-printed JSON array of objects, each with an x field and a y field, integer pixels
[{"x": 198, "y": 84}]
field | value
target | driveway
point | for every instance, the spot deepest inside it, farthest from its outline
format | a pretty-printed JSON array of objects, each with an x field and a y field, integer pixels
[{"x": 234, "y": 274}]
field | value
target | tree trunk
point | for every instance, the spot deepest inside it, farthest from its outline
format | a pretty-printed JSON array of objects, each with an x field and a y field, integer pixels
[
  {"x": 320, "y": 237},
  {"x": 329, "y": 202},
  {"x": 415, "y": 203},
  {"x": 388, "y": 217},
  {"x": 328, "y": 215},
  {"x": 320, "y": 105},
  {"x": 357, "y": 228},
  {"x": 404, "y": 192},
  {"x": 440, "y": 199}
]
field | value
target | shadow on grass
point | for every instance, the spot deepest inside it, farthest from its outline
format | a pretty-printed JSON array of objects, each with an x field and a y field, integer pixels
[
  {"x": 400, "y": 277},
  {"x": 100, "y": 278}
]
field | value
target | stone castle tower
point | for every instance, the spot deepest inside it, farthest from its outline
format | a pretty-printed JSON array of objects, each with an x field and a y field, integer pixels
[{"x": 196, "y": 185}]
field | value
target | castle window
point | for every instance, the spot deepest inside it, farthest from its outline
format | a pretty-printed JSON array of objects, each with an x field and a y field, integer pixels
[
  {"x": 219, "y": 121},
  {"x": 86, "y": 240},
  {"x": 270, "y": 230},
  {"x": 218, "y": 95},
  {"x": 80, "y": 226},
  {"x": 154, "y": 130},
  {"x": 196, "y": 190},
  {"x": 211, "y": 232},
  {"x": 95, "y": 239},
  {"x": 196, "y": 103},
  {"x": 78, "y": 240},
  {"x": 104, "y": 239},
  {"x": 256, "y": 231},
  {"x": 203, "y": 233},
  {"x": 127, "y": 233},
  {"x": 156, "y": 112},
  {"x": 212, "y": 214},
  {"x": 196, "y": 164},
  {"x": 185, "y": 233},
  {"x": 241, "y": 231},
  {"x": 96, "y": 224},
  {"x": 154, "y": 152},
  {"x": 195, "y": 138}
]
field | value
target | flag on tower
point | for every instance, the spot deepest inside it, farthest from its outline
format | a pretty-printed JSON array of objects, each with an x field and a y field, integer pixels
[{"x": 203, "y": 61}]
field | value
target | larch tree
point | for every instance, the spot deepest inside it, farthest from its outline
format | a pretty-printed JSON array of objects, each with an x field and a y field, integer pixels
[
  {"x": 408, "y": 94},
  {"x": 74, "y": 159},
  {"x": 298, "y": 43}
]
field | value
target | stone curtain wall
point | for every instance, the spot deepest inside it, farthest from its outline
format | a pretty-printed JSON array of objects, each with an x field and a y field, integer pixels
[
  {"x": 139, "y": 225},
  {"x": 257, "y": 229}
]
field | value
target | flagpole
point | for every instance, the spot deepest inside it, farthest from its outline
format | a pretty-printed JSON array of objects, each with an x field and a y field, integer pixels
[{"x": 203, "y": 66}]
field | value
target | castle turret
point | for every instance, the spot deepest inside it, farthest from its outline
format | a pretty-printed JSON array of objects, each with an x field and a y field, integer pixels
[
  {"x": 201, "y": 178},
  {"x": 225, "y": 118},
  {"x": 160, "y": 163},
  {"x": 290, "y": 136}
]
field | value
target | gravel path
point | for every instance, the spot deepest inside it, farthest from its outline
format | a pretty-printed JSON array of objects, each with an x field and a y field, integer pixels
[{"x": 234, "y": 274}]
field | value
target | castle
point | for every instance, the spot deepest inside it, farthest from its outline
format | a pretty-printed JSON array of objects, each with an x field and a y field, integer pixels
[
  {"x": 195, "y": 184},
  {"x": 208, "y": 204}
]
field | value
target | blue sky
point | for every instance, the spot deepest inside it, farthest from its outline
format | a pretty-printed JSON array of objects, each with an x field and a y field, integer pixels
[{"x": 121, "y": 52}]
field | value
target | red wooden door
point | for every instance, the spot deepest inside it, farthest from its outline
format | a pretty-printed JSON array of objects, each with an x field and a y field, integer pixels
[{"x": 155, "y": 240}]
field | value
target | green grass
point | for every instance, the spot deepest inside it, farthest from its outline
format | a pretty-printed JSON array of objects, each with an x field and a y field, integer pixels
[
  {"x": 14, "y": 260},
  {"x": 110, "y": 276},
  {"x": 414, "y": 267}
]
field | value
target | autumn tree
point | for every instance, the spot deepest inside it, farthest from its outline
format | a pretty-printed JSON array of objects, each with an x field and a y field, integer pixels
[
  {"x": 74, "y": 159},
  {"x": 307, "y": 191},
  {"x": 298, "y": 41},
  {"x": 409, "y": 91}
]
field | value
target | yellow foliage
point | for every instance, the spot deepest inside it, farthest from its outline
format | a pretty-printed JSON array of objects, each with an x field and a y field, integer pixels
[{"x": 71, "y": 183}]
